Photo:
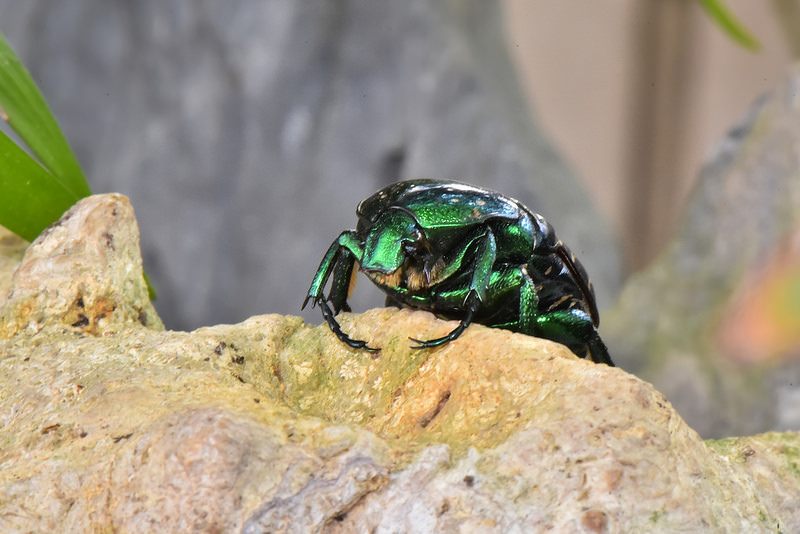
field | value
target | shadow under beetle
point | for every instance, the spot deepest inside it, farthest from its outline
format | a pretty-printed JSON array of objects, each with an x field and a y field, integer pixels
[{"x": 465, "y": 253}]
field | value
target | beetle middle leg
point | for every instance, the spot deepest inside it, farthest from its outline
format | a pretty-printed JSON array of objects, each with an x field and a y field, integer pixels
[
  {"x": 497, "y": 285},
  {"x": 485, "y": 248},
  {"x": 472, "y": 304}
]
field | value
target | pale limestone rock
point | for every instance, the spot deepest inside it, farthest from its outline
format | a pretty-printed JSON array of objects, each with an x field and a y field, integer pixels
[
  {"x": 12, "y": 248},
  {"x": 83, "y": 271},
  {"x": 271, "y": 425}
]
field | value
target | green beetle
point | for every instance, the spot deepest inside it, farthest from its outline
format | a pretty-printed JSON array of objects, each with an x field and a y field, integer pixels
[{"x": 465, "y": 253}]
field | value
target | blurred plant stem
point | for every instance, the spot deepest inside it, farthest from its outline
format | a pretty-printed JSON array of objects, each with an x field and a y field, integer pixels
[{"x": 720, "y": 14}]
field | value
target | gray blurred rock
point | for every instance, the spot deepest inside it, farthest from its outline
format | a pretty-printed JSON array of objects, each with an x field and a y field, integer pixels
[
  {"x": 666, "y": 328},
  {"x": 112, "y": 424},
  {"x": 245, "y": 133}
]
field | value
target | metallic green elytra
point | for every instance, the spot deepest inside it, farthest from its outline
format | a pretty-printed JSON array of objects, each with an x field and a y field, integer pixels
[{"x": 464, "y": 253}]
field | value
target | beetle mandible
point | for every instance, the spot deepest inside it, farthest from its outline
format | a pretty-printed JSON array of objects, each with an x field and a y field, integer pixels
[{"x": 464, "y": 253}]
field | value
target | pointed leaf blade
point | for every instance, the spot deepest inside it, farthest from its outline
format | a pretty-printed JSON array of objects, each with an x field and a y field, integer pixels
[{"x": 25, "y": 110}]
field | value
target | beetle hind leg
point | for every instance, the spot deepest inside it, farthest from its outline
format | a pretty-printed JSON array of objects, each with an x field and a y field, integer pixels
[
  {"x": 575, "y": 329},
  {"x": 598, "y": 351}
]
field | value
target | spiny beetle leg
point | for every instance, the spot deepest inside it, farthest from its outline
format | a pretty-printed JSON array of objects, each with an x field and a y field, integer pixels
[
  {"x": 313, "y": 300},
  {"x": 599, "y": 352},
  {"x": 574, "y": 328},
  {"x": 343, "y": 280},
  {"x": 472, "y": 307},
  {"x": 337, "y": 329}
]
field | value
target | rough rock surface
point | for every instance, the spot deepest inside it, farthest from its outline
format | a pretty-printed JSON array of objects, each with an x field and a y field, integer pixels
[
  {"x": 246, "y": 133},
  {"x": 110, "y": 423}
]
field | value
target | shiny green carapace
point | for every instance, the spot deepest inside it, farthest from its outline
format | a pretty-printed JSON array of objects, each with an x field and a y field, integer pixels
[{"x": 464, "y": 253}]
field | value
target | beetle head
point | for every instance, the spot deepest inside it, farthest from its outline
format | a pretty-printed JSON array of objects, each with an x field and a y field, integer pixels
[
  {"x": 395, "y": 248},
  {"x": 389, "y": 240}
]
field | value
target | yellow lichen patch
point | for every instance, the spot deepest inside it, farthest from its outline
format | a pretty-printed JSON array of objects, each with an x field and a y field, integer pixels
[{"x": 88, "y": 314}]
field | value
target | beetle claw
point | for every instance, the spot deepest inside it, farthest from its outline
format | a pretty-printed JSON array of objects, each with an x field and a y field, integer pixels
[
  {"x": 429, "y": 344},
  {"x": 457, "y": 331},
  {"x": 438, "y": 342},
  {"x": 358, "y": 344},
  {"x": 337, "y": 328}
]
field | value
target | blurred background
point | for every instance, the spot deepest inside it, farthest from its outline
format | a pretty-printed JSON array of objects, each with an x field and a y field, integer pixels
[
  {"x": 245, "y": 134},
  {"x": 636, "y": 94}
]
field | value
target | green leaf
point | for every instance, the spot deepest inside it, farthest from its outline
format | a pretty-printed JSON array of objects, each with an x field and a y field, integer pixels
[
  {"x": 31, "y": 199},
  {"x": 730, "y": 24},
  {"x": 151, "y": 291},
  {"x": 25, "y": 110}
]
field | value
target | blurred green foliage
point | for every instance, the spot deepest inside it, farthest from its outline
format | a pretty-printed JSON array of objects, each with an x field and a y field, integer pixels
[{"x": 730, "y": 24}]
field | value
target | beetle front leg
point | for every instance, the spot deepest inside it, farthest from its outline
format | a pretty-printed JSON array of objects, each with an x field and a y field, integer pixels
[
  {"x": 331, "y": 257},
  {"x": 336, "y": 328},
  {"x": 343, "y": 277},
  {"x": 345, "y": 249},
  {"x": 339, "y": 260}
]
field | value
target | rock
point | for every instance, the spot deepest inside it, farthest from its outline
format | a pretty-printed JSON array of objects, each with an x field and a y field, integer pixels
[
  {"x": 279, "y": 117},
  {"x": 12, "y": 248},
  {"x": 741, "y": 224},
  {"x": 52, "y": 284},
  {"x": 273, "y": 425}
]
